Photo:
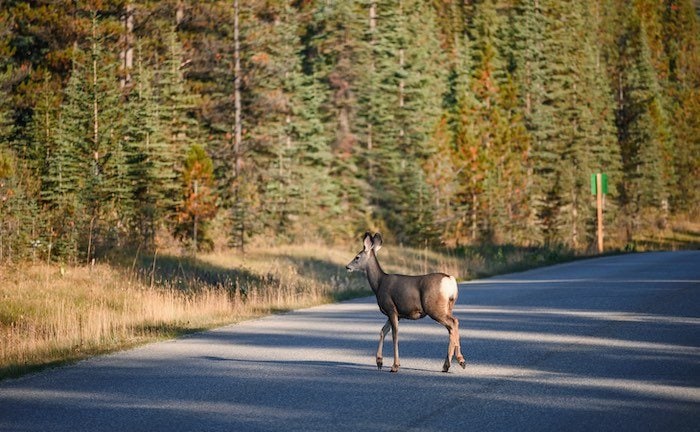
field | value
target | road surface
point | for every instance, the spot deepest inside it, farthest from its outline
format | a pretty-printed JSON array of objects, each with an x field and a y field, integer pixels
[{"x": 602, "y": 344}]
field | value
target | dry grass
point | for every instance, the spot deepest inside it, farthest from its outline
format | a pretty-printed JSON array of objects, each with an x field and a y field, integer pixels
[
  {"x": 49, "y": 315},
  {"x": 52, "y": 315},
  {"x": 682, "y": 233}
]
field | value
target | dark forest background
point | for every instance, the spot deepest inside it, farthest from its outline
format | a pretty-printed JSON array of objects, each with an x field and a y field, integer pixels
[{"x": 132, "y": 124}]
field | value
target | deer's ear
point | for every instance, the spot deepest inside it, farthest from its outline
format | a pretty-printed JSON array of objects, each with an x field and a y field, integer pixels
[
  {"x": 377, "y": 242},
  {"x": 367, "y": 241}
]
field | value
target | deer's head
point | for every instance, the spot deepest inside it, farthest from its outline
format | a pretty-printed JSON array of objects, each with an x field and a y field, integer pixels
[{"x": 363, "y": 257}]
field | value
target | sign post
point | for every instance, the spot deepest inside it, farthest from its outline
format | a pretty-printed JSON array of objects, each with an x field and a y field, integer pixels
[{"x": 599, "y": 187}]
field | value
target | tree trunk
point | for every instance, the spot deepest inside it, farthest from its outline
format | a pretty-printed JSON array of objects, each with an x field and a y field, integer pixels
[
  {"x": 373, "y": 41},
  {"x": 180, "y": 12},
  {"x": 237, "y": 136},
  {"x": 127, "y": 54},
  {"x": 90, "y": 235},
  {"x": 196, "y": 211}
]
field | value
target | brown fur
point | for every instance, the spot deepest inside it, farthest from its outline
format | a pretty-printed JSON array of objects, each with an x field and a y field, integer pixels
[{"x": 409, "y": 297}]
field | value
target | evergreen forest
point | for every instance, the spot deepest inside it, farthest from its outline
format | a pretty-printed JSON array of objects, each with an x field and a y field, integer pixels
[{"x": 130, "y": 124}]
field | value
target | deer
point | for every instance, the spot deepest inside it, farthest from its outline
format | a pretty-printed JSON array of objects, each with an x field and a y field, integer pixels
[{"x": 409, "y": 297}]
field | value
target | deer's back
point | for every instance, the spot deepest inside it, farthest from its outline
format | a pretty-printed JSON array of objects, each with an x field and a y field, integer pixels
[{"x": 414, "y": 297}]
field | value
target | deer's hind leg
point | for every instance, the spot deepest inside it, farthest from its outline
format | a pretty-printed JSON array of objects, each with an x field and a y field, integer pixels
[
  {"x": 452, "y": 325},
  {"x": 458, "y": 352}
]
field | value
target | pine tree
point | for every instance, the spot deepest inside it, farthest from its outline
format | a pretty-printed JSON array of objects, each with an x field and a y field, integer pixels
[
  {"x": 14, "y": 214},
  {"x": 220, "y": 28},
  {"x": 278, "y": 63},
  {"x": 492, "y": 141},
  {"x": 41, "y": 131},
  {"x": 462, "y": 106},
  {"x": 460, "y": 121},
  {"x": 177, "y": 102},
  {"x": 286, "y": 139},
  {"x": 404, "y": 52},
  {"x": 176, "y": 122},
  {"x": 600, "y": 138},
  {"x": 486, "y": 149},
  {"x": 106, "y": 195},
  {"x": 681, "y": 38},
  {"x": 532, "y": 70},
  {"x": 337, "y": 56},
  {"x": 64, "y": 176},
  {"x": 317, "y": 194},
  {"x": 85, "y": 184},
  {"x": 642, "y": 126},
  {"x": 441, "y": 178},
  {"x": 586, "y": 136},
  {"x": 565, "y": 107},
  {"x": 510, "y": 202},
  {"x": 19, "y": 233},
  {"x": 18, "y": 213},
  {"x": 5, "y": 78},
  {"x": 151, "y": 160}
]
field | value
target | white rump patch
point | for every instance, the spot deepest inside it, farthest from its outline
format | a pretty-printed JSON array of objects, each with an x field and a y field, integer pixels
[{"x": 448, "y": 287}]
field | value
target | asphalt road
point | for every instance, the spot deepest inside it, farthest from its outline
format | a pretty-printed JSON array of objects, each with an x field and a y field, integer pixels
[{"x": 602, "y": 344}]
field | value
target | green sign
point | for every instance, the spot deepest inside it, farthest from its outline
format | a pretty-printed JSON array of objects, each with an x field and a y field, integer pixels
[{"x": 594, "y": 184}]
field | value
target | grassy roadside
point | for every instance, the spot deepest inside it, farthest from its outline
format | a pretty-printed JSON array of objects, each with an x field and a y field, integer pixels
[{"x": 52, "y": 315}]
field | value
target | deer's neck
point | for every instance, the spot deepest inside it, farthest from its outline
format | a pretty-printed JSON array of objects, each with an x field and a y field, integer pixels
[{"x": 374, "y": 273}]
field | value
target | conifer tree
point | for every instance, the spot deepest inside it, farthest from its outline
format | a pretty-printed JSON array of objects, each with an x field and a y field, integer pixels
[
  {"x": 42, "y": 130},
  {"x": 441, "y": 178},
  {"x": 476, "y": 121},
  {"x": 64, "y": 176},
  {"x": 681, "y": 38},
  {"x": 642, "y": 127},
  {"x": 289, "y": 147},
  {"x": 15, "y": 214},
  {"x": 466, "y": 157},
  {"x": 532, "y": 70},
  {"x": 317, "y": 193},
  {"x": 151, "y": 159},
  {"x": 177, "y": 102},
  {"x": 405, "y": 76},
  {"x": 487, "y": 76},
  {"x": 600, "y": 133},
  {"x": 582, "y": 136},
  {"x": 509, "y": 200},
  {"x": 278, "y": 63},
  {"x": 565, "y": 106},
  {"x": 339, "y": 51},
  {"x": 176, "y": 122},
  {"x": 19, "y": 235},
  {"x": 106, "y": 193},
  {"x": 5, "y": 78},
  {"x": 218, "y": 71}
]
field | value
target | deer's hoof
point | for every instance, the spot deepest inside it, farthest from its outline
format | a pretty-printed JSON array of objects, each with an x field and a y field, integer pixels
[
  {"x": 463, "y": 363},
  {"x": 395, "y": 368},
  {"x": 380, "y": 363},
  {"x": 446, "y": 367}
]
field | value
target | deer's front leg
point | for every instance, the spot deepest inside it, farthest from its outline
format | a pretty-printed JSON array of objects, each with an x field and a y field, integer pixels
[
  {"x": 394, "y": 320},
  {"x": 382, "y": 335}
]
